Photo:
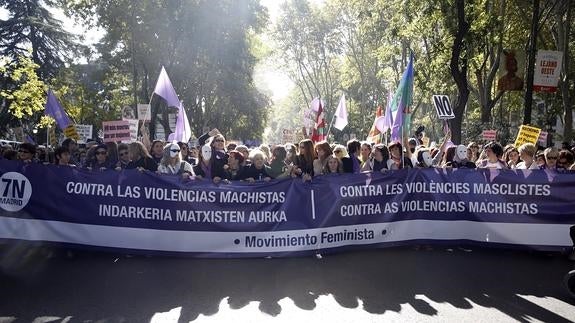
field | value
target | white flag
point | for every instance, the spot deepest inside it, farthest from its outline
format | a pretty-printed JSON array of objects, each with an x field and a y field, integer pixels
[
  {"x": 341, "y": 114},
  {"x": 183, "y": 130}
]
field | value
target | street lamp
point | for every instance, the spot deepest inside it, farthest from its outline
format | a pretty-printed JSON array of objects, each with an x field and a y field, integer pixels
[{"x": 35, "y": 132}]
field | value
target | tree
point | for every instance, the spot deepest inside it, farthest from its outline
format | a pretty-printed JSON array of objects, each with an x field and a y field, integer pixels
[
  {"x": 562, "y": 36},
  {"x": 32, "y": 30},
  {"x": 205, "y": 46},
  {"x": 29, "y": 94},
  {"x": 309, "y": 51}
]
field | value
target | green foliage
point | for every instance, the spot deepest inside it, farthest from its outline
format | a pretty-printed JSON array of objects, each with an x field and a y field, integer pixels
[
  {"x": 206, "y": 47},
  {"x": 29, "y": 94},
  {"x": 31, "y": 30},
  {"x": 375, "y": 38}
]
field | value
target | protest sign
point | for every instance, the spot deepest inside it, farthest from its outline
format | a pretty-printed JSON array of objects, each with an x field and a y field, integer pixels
[
  {"x": 527, "y": 134},
  {"x": 443, "y": 107},
  {"x": 489, "y": 135},
  {"x": 118, "y": 130},
  {"x": 70, "y": 132},
  {"x": 288, "y": 135},
  {"x": 84, "y": 132},
  {"x": 144, "y": 112},
  {"x": 547, "y": 70}
]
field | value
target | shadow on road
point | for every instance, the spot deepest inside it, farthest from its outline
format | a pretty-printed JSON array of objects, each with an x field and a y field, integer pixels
[{"x": 96, "y": 286}]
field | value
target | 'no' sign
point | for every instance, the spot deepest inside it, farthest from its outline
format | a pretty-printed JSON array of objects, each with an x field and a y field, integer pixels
[{"x": 443, "y": 107}]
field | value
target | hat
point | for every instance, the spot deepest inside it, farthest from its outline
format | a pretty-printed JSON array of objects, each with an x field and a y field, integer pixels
[{"x": 102, "y": 146}]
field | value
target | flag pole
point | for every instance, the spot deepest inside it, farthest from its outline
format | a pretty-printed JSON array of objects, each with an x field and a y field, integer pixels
[{"x": 329, "y": 128}]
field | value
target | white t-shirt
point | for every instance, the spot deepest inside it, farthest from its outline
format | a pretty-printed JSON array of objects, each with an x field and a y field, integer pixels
[
  {"x": 522, "y": 165},
  {"x": 496, "y": 165}
]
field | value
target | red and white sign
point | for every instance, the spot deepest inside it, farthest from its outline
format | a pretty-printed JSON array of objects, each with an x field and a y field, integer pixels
[
  {"x": 116, "y": 130},
  {"x": 547, "y": 70},
  {"x": 489, "y": 135},
  {"x": 543, "y": 138}
]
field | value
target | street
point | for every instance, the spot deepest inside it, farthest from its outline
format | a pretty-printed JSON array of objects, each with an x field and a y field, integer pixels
[{"x": 396, "y": 284}]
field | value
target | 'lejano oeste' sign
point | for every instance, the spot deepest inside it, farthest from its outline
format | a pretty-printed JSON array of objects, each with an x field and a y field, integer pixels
[
  {"x": 547, "y": 70},
  {"x": 150, "y": 213}
]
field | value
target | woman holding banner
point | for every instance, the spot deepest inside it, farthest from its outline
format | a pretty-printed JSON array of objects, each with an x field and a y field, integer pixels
[
  {"x": 173, "y": 164},
  {"x": 527, "y": 153},
  {"x": 140, "y": 157}
]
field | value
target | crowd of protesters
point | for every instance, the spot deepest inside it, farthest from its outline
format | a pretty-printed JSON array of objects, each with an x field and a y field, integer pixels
[{"x": 215, "y": 160}]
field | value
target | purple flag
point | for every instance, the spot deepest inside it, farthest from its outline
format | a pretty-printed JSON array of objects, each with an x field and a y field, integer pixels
[
  {"x": 165, "y": 89},
  {"x": 183, "y": 130},
  {"x": 54, "y": 109}
]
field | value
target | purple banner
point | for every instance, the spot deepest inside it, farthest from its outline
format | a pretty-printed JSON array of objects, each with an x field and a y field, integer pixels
[{"x": 151, "y": 212}]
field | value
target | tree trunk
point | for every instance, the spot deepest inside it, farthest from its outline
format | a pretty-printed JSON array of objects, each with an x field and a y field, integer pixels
[
  {"x": 528, "y": 102},
  {"x": 458, "y": 68},
  {"x": 564, "y": 30}
]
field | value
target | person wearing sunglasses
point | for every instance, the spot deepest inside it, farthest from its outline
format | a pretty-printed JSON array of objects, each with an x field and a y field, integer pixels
[
  {"x": 100, "y": 161},
  {"x": 551, "y": 155},
  {"x": 123, "y": 157},
  {"x": 565, "y": 160},
  {"x": 219, "y": 157},
  {"x": 26, "y": 152},
  {"x": 172, "y": 163}
]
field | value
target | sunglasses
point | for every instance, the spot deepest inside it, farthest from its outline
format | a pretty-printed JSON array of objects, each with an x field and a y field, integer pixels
[
  {"x": 218, "y": 140},
  {"x": 175, "y": 150},
  {"x": 23, "y": 151},
  {"x": 101, "y": 152},
  {"x": 551, "y": 157}
]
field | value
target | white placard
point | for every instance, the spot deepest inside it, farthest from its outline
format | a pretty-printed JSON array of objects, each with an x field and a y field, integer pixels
[
  {"x": 144, "y": 112},
  {"x": 133, "y": 130},
  {"x": 547, "y": 70},
  {"x": 85, "y": 132},
  {"x": 443, "y": 107}
]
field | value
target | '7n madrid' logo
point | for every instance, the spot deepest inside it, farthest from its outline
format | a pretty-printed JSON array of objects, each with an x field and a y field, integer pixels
[{"x": 15, "y": 191}]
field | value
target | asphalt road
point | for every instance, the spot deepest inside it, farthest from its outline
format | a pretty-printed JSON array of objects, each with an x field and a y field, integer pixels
[{"x": 396, "y": 284}]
